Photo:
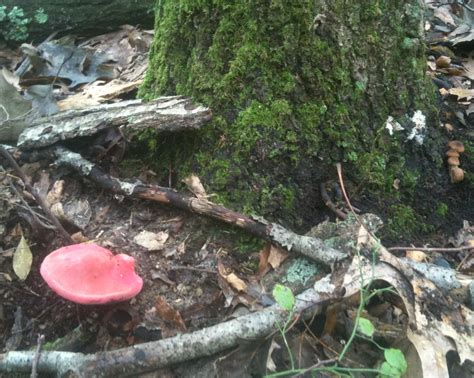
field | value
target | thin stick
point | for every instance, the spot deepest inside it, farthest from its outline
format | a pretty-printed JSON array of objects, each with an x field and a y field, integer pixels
[
  {"x": 433, "y": 249},
  {"x": 34, "y": 368},
  {"x": 182, "y": 267},
  {"x": 330, "y": 204},
  {"x": 38, "y": 197}
]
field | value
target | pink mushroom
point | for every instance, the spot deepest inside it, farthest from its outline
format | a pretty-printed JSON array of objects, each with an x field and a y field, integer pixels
[{"x": 89, "y": 274}]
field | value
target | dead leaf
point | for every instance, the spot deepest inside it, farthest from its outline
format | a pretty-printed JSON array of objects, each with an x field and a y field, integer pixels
[
  {"x": 16, "y": 231},
  {"x": 449, "y": 128},
  {"x": 417, "y": 256},
  {"x": 469, "y": 68},
  {"x": 432, "y": 65},
  {"x": 263, "y": 266},
  {"x": 78, "y": 237},
  {"x": 236, "y": 282},
  {"x": 444, "y": 15},
  {"x": 98, "y": 92},
  {"x": 169, "y": 314},
  {"x": 22, "y": 259},
  {"x": 195, "y": 186},
  {"x": 462, "y": 93},
  {"x": 231, "y": 278},
  {"x": 56, "y": 192},
  {"x": 277, "y": 256},
  {"x": 14, "y": 341},
  {"x": 150, "y": 240},
  {"x": 363, "y": 237},
  {"x": 270, "y": 365},
  {"x": 443, "y": 91}
]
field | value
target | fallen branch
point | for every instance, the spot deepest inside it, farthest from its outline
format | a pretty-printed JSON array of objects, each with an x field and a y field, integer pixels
[
  {"x": 158, "y": 354},
  {"x": 311, "y": 247},
  {"x": 172, "y": 113}
]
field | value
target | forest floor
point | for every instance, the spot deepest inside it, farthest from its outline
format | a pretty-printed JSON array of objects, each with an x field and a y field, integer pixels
[{"x": 187, "y": 261}]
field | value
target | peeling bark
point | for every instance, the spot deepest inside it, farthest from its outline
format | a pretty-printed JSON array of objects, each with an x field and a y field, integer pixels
[{"x": 172, "y": 113}]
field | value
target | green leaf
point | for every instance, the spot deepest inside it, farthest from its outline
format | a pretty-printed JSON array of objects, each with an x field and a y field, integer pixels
[
  {"x": 284, "y": 297},
  {"x": 387, "y": 370},
  {"x": 366, "y": 327},
  {"x": 396, "y": 359},
  {"x": 22, "y": 259},
  {"x": 40, "y": 16},
  {"x": 3, "y": 14}
]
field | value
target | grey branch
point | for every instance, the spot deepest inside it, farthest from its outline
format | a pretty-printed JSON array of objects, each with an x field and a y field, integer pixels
[
  {"x": 172, "y": 113},
  {"x": 158, "y": 354}
]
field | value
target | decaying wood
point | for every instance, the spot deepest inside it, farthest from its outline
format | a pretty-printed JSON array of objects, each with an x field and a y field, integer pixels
[
  {"x": 313, "y": 248},
  {"x": 173, "y": 113}
]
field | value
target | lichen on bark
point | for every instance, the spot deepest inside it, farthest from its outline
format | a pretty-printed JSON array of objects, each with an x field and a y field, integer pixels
[{"x": 296, "y": 87}]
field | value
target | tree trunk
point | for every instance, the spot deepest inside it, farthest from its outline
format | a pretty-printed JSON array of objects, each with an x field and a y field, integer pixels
[
  {"x": 86, "y": 17},
  {"x": 296, "y": 87}
]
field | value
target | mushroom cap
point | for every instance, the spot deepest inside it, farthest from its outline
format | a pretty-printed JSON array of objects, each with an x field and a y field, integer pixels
[
  {"x": 456, "y": 174},
  {"x": 456, "y": 145},
  {"x": 453, "y": 160},
  {"x": 89, "y": 274},
  {"x": 452, "y": 153}
]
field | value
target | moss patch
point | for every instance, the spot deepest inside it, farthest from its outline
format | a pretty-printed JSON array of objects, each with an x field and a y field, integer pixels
[{"x": 295, "y": 87}]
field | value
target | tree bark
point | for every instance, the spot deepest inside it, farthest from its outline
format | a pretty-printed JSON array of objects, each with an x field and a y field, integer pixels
[
  {"x": 85, "y": 17},
  {"x": 296, "y": 87}
]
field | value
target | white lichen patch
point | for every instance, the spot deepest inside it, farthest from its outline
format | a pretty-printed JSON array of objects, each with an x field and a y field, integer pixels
[
  {"x": 418, "y": 131},
  {"x": 128, "y": 187},
  {"x": 391, "y": 125}
]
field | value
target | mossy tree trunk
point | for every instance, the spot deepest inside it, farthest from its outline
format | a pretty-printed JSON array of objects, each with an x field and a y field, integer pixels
[
  {"x": 296, "y": 86},
  {"x": 86, "y": 17}
]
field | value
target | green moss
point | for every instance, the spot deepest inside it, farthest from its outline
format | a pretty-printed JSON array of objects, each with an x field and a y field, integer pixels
[
  {"x": 404, "y": 220},
  {"x": 442, "y": 209},
  {"x": 291, "y": 98}
]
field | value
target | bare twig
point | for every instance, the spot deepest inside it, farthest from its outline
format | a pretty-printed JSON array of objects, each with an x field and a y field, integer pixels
[
  {"x": 157, "y": 354},
  {"x": 191, "y": 268},
  {"x": 433, "y": 249},
  {"x": 34, "y": 369},
  {"x": 328, "y": 202},
  {"x": 38, "y": 197},
  {"x": 27, "y": 207},
  {"x": 311, "y": 247},
  {"x": 468, "y": 256}
]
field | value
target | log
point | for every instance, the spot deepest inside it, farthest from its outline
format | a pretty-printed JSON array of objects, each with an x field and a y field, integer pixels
[
  {"x": 173, "y": 113},
  {"x": 85, "y": 17}
]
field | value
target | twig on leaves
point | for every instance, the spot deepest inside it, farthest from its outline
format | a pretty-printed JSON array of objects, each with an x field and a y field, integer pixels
[
  {"x": 37, "y": 196},
  {"x": 432, "y": 249}
]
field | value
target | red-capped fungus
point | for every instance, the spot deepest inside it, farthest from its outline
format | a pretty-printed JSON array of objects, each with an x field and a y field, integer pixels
[{"x": 89, "y": 274}]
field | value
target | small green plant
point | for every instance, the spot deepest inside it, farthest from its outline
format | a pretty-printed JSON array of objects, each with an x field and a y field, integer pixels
[
  {"x": 14, "y": 23},
  {"x": 285, "y": 298},
  {"x": 394, "y": 364},
  {"x": 442, "y": 209}
]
